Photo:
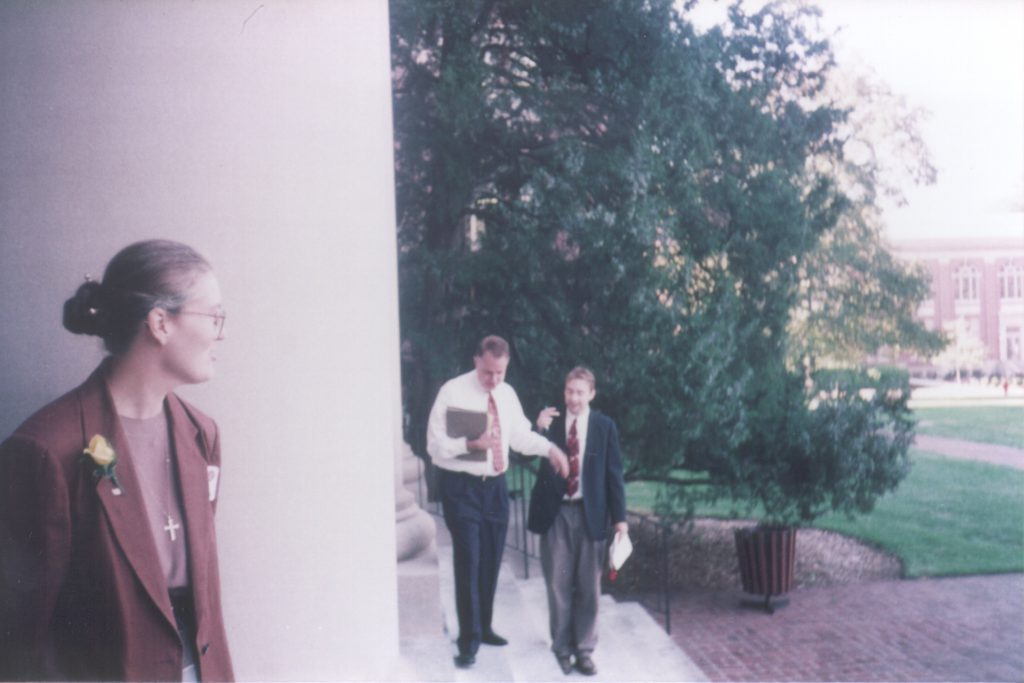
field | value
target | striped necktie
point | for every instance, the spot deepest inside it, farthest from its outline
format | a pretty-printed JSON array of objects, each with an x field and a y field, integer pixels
[
  {"x": 572, "y": 449},
  {"x": 497, "y": 457}
]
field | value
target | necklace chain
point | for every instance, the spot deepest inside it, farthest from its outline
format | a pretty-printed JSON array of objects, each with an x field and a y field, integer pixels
[{"x": 171, "y": 526}]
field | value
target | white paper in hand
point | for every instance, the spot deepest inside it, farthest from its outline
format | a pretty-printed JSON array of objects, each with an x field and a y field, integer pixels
[{"x": 619, "y": 551}]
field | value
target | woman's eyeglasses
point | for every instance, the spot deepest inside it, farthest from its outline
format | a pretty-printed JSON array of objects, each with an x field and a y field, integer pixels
[{"x": 218, "y": 319}]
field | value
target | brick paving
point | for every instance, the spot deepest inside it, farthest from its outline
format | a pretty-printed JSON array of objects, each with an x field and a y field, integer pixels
[{"x": 951, "y": 629}]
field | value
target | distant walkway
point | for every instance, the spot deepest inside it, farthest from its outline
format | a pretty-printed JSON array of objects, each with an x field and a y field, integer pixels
[
  {"x": 971, "y": 450},
  {"x": 965, "y": 393},
  {"x": 953, "y": 629}
]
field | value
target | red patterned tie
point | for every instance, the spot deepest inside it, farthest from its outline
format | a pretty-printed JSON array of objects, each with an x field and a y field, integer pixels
[
  {"x": 492, "y": 410},
  {"x": 572, "y": 449}
]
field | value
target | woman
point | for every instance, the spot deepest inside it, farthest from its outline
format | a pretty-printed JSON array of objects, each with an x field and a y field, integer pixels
[{"x": 108, "y": 558}]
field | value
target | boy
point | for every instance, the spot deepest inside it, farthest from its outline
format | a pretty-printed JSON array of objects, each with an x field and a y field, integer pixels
[{"x": 572, "y": 515}]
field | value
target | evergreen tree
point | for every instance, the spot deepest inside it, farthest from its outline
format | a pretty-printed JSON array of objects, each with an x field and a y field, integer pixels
[{"x": 601, "y": 184}]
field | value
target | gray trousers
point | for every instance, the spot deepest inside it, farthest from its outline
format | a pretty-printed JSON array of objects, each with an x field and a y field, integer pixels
[{"x": 572, "y": 573}]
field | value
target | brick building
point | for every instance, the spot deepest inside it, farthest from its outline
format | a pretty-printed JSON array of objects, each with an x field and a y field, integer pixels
[{"x": 977, "y": 287}]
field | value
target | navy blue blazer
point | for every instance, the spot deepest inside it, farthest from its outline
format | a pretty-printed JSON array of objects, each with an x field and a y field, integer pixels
[{"x": 604, "y": 491}]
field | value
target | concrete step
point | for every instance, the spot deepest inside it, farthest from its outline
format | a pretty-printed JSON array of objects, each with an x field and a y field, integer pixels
[
  {"x": 635, "y": 647},
  {"x": 632, "y": 647},
  {"x": 423, "y": 647}
]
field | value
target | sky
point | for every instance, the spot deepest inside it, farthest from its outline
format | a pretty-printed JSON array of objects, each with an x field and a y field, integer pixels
[{"x": 962, "y": 61}]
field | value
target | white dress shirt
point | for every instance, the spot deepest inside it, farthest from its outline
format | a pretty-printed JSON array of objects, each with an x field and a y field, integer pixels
[
  {"x": 582, "y": 420},
  {"x": 466, "y": 392}
]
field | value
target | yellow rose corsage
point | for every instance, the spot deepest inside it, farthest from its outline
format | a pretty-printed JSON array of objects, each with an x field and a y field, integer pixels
[{"x": 103, "y": 457}]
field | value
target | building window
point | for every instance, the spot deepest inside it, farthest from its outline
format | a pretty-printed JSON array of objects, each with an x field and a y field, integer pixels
[
  {"x": 965, "y": 283},
  {"x": 1011, "y": 282},
  {"x": 1013, "y": 344}
]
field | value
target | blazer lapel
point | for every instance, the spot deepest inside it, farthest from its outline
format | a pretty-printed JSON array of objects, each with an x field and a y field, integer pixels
[
  {"x": 189, "y": 449},
  {"x": 126, "y": 511},
  {"x": 592, "y": 436},
  {"x": 592, "y": 452}
]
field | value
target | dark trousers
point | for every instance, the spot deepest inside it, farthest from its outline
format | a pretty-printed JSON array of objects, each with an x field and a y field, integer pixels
[
  {"x": 476, "y": 514},
  {"x": 184, "y": 616}
]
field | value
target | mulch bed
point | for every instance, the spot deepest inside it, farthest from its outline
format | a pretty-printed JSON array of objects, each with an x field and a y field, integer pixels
[{"x": 703, "y": 557}]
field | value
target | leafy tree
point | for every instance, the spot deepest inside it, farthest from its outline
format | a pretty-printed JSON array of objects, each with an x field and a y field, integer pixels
[
  {"x": 855, "y": 296},
  {"x": 601, "y": 184}
]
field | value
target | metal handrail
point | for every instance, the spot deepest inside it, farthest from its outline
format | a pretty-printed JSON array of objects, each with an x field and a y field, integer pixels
[
  {"x": 647, "y": 526},
  {"x": 521, "y": 469}
]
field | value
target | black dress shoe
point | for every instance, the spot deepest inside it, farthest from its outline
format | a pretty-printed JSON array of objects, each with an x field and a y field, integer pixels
[
  {"x": 585, "y": 665},
  {"x": 565, "y": 661},
  {"x": 464, "y": 660},
  {"x": 492, "y": 638}
]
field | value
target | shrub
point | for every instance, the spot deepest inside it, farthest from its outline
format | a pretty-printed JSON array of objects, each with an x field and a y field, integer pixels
[{"x": 838, "y": 451}]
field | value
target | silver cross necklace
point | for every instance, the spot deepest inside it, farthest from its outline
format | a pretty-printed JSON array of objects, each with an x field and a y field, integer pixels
[{"x": 171, "y": 527}]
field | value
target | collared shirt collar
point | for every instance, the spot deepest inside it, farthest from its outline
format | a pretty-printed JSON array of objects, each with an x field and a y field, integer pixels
[
  {"x": 582, "y": 417},
  {"x": 479, "y": 385}
]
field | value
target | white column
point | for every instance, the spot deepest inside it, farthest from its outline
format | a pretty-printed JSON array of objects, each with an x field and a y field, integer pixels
[{"x": 260, "y": 133}]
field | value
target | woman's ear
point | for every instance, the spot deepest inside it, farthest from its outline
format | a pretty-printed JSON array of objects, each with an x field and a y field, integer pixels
[{"x": 158, "y": 324}]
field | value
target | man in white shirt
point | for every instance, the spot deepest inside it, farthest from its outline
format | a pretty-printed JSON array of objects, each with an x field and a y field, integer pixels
[{"x": 474, "y": 494}]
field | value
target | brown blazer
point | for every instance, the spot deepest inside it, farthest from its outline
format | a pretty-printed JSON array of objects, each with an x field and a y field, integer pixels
[{"x": 82, "y": 594}]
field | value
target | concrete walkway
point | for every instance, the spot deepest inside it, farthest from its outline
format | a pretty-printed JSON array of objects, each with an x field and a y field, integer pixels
[
  {"x": 970, "y": 450},
  {"x": 633, "y": 647}
]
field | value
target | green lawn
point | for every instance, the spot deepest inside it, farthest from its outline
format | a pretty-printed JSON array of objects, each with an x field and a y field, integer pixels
[
  {"x": 948, "y": 517},
  {"x": 987, "y": 424}
]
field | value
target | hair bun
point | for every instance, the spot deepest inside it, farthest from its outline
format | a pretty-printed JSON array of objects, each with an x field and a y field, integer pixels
[{"x": 85, "y": 312}]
